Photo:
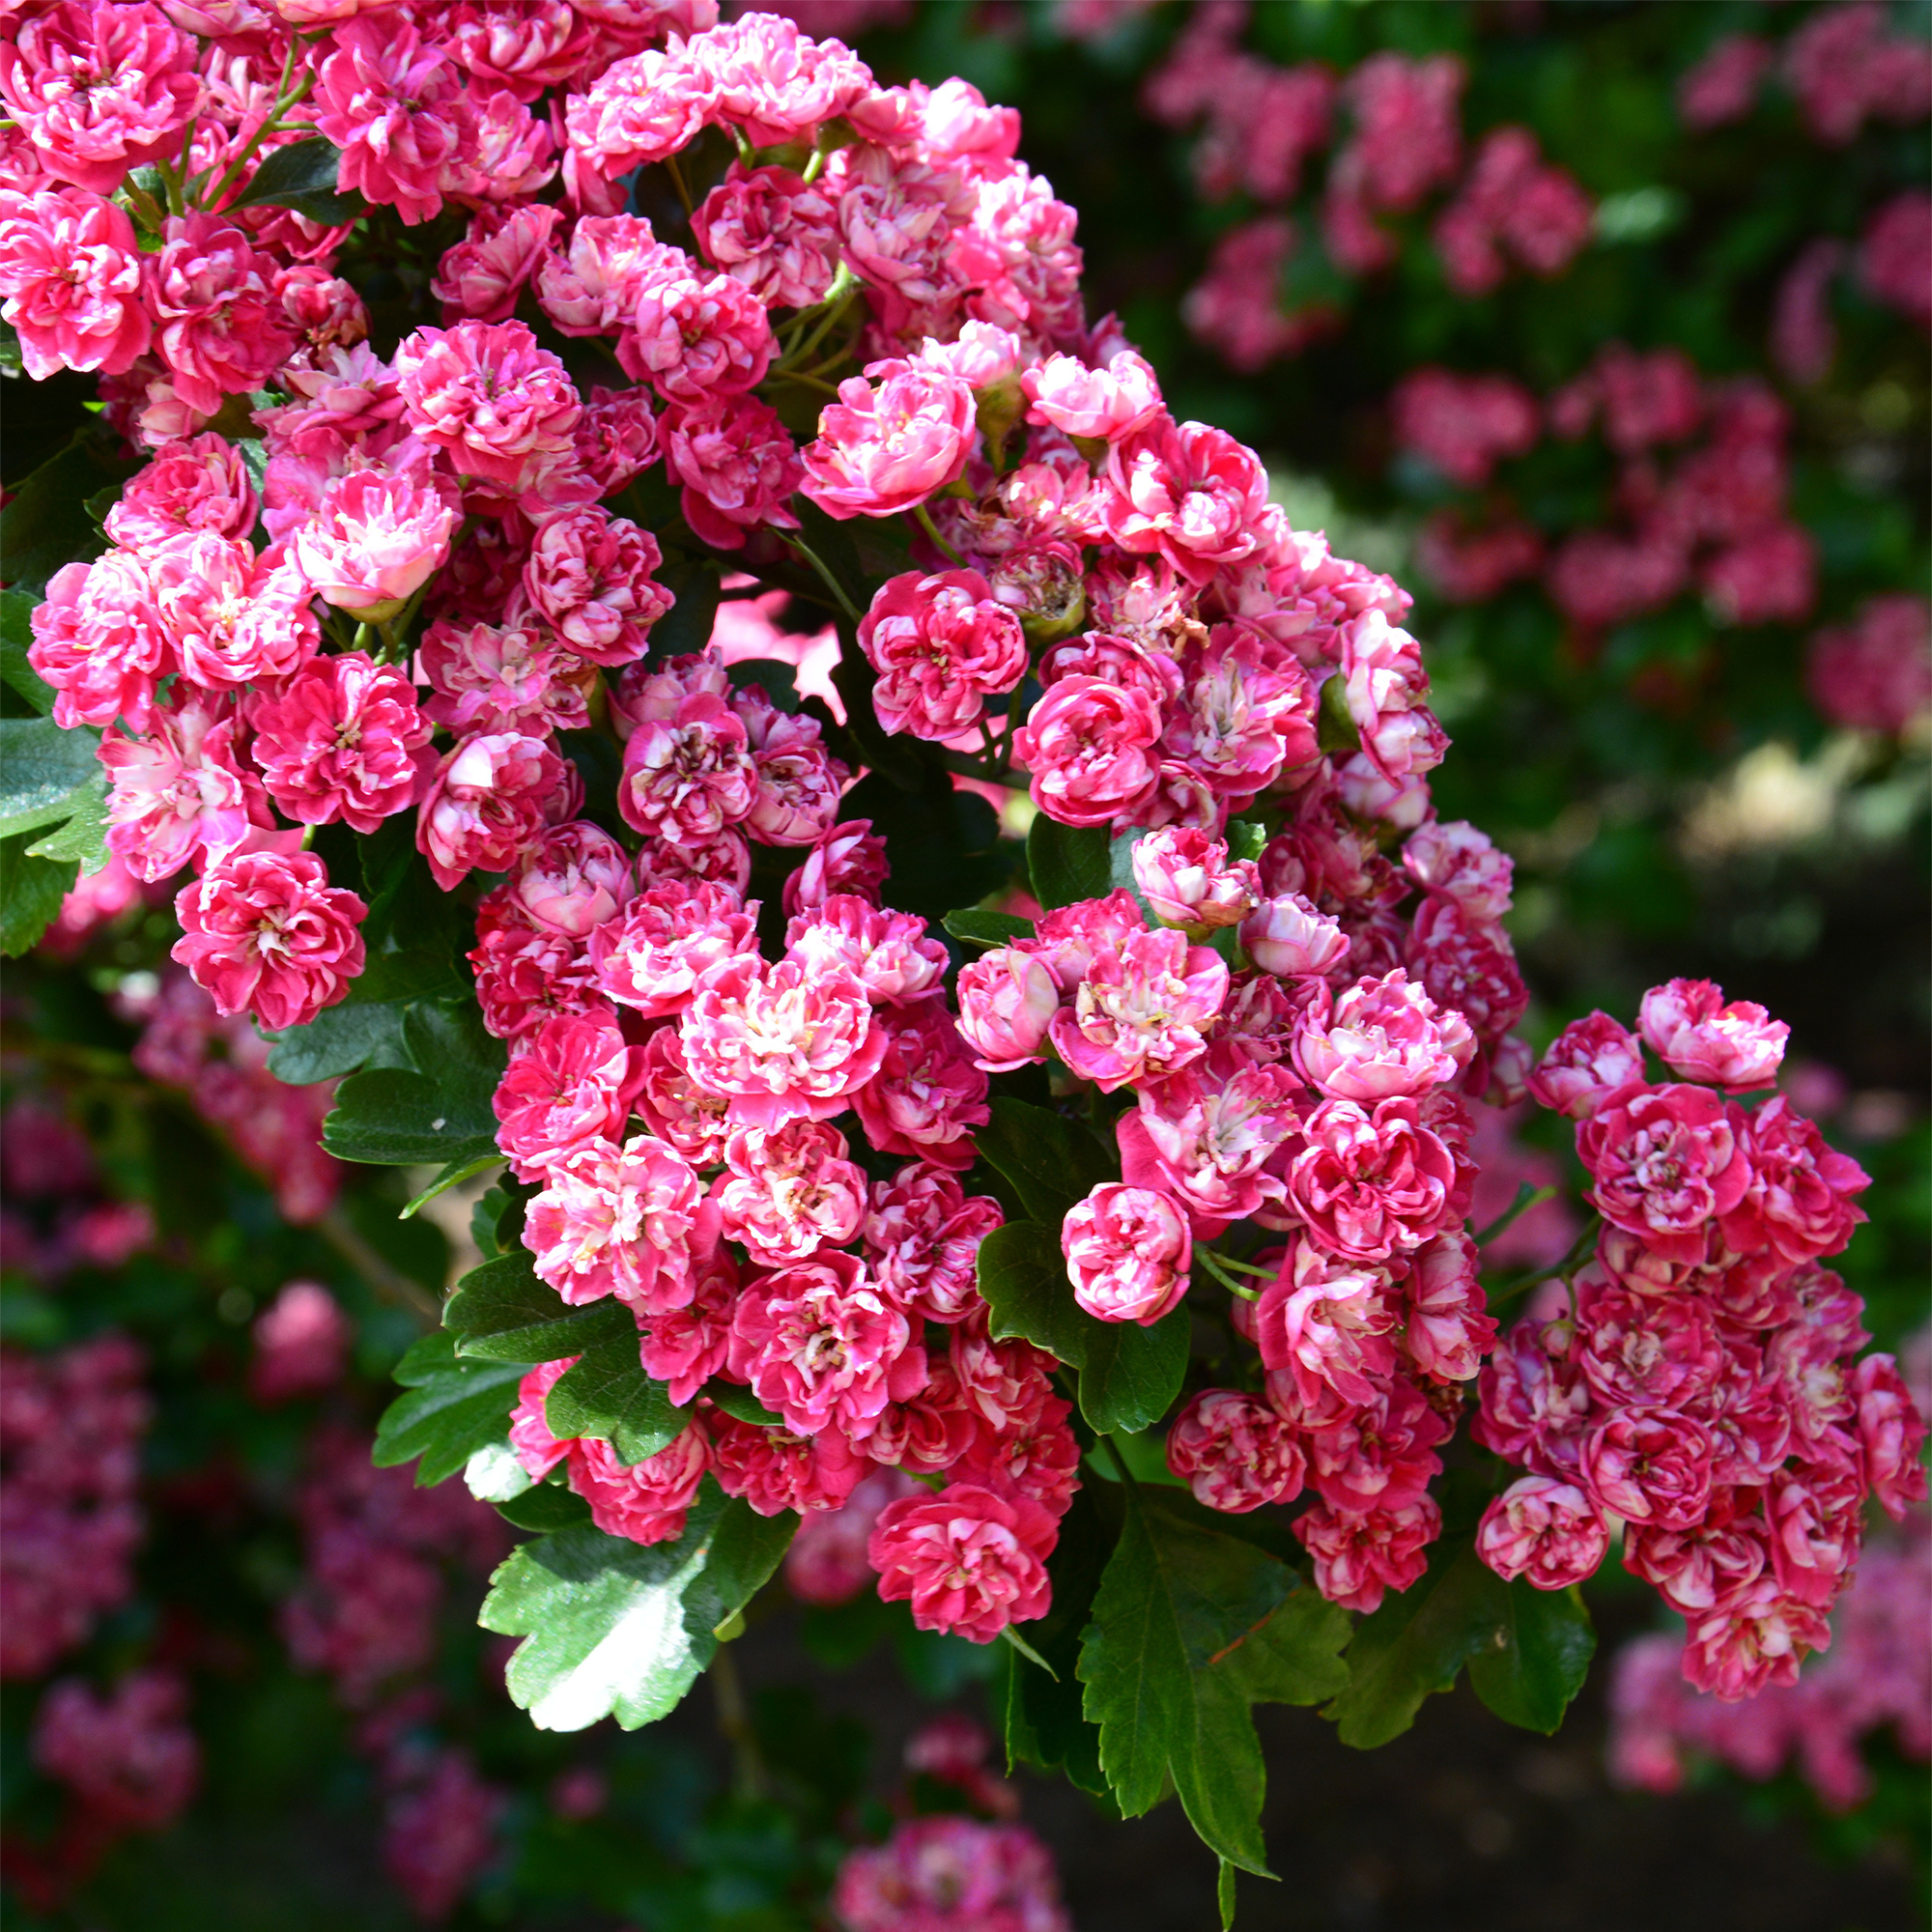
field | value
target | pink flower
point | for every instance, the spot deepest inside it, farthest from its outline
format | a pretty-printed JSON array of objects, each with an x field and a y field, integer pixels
[
  {"x": 940, "y": 645},
  {"x": 100, "y": 642},
  {"x": 688, "y": 776},
  {"x": 1462, "y": 424},
  {"x": 645, "y": 1502},
  {"x": 970, "y": 1561},
  {"x": 1090, "y": 749},
  {"x": 199, "y": 483},
  {"x": 397, "y": 110},
  {"x": 825, "y": 1562},
  {"x": 1359, "y": 1557},
  {"x": 485, "y": 804},
  {"x": 693, "y": 337},
  {"x": 1381, "y": 1037},
  {"x": 1128, "y": 1252},
  {"x": 1664, "y": 1162},
  {"x": 1380, "y": 1454},
  {"x": 1875, "y": 673},
  {"x": 99, "y": 90},
  {"x": 1895, "y": 255},
  {"x": 882, "y": 451},
  {"x": 1111, "y": 402},
  {"x": 1235, "y": 1453},
  {"x": 1796, "y": 1191},
  {"x": 222, "y": 329},
  {"x": 822, "y": 1346},
  {"x": 790, "y": 1192},
  {"x": 591, "y": 287},
  {"x": 1648, "y": 1466},
  {"x": 642, "y": 109},
  {"x": 269, "y": 934},
  {"x": 572, "y": 880},
  {"x": 1372, "y": 1183},
  {"x": 1188, "y": 881},
  {"x": 1331, "y": 1325},
  {"x": 1544, "y": 1530},
  {"x": 850, "y": 858},
  {"x": 652, "y": 957},
  {"x": 1585, "y": 1064},
  {"x": 738, "y": 466},
  {"x": 616, "y": 438},
  {"x": 897, "y": 963},
  {"x": 1385, "y": 683},
  {"x": 376, "y": 538},
  {"x": 1460, "y": 863},
  {"x": 338, "y": 741},
  {"x": 923, "y": 1237},
  {"x": 178, "y": 790},
  {"x": 571, "y": 1084},
  {"x": 1753, "y": 1636},
  {"x": 301, "y": 1344},
  {"x": 951, "y": 1874},
  {"x": 1724, "y": 85},
  {"x": 781, "y": 1041},
  {"x": 799, "y": 783},
  {"x": 1686, "y": 1023},
  {"x": 501, "y": 410},
  {"x": 623, "y": 1220},
  {"x": 774, "y": 82},
  {"x": 1892, "y": 1432},
  {"x": 1186, "y": 493},
  {"x": 491, "y": 678},
  {"x": 482, "y": 276},
  {"x": 775, "y": 1469},
  {"x": 1142, "y": 1011},
  {"x": 773, "y": 232},
  {"x": 928, "y": 1094},
  {"x": 684, "y": 1348},
  {"x": 589, "y": 576},
  {"x": 1007, "y": 999},
  {"x": 1285, "y": 935},
  {"x": 129, "y": 1759},
  {"x": 1449, "y": 1331},
  {"x": 1208, "y": 1131},
  {"x": 232, "y": 616},
  {"x": 70, "y": 272}
]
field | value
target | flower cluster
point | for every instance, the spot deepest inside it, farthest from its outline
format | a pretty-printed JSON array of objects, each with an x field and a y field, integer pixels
[
  {"x": 55, "y": 1213},
  {"x": 129, "y": 1759},
  {"x": 70, "y": 1428},
  {"x": 1877, "y": 1675},
  {"x": 1716, "y": 518},
  {"x": 1696, "y": 1379},
  {"x": 1875, "y": 673},
  {"x": 951, "y": 1874},
  {"x": 1401, "y": 142}
]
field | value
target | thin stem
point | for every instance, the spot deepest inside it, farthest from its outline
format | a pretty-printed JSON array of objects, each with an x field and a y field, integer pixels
[
  {"x": 835, "y": 303},
  {"x": 273, "y": 125},
  {"x": 831, "y": 583},
  {"x": 932, "y": 529},
  {"x": 1113, "y": 1449},
  {"x": 1246, "y": 1267},
  {"x": 335, "y": 1229},
  {"x": 678, "y": 182},
  {"x": 1526, "y": 1198},
  {"x": 1209, "y": 1261},
  {"x": 804, "y": 381},
  {"x": 735, "y": 1722},
  {"x": 1513, "y": 1284}
]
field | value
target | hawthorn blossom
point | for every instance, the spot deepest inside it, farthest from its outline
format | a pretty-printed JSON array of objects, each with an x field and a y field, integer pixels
[
  {"x": 1235, "y": 1453},
  {"x": 620, "y": 1218},
  {"x": 1128, "y": 1251},
  {"x": 969, "y": 1561},
  {"x": 339, "y": 740},
  {"x": 1544, "y": 1530}
]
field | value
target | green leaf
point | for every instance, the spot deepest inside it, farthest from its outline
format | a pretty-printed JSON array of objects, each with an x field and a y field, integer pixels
[
  {"x": 1295, "y": 1656},
  {"x": 1541, "y": 1656},
  {"x": 452, "y": 1176},
  {"x": 45, "y": 524},
  {"x": 686, "y": 625},
  {"x": 745, "y": 1551},
  {"x": 1335, "y": 726},
  {"x": 502, "y": 1313},
  {"x": 398, "y": 1117},
  {"x": 987, "y": 928},
  {"x": 42, "y": 769},
  {"x": 303, "y": 176},
  {"x": 1051, "y": 1161},
  {"x": 1223, "y": 1894},
  {"x": 1128, "y": 1375},
  {"x": 604, "y": 1620},
  {"x": 545, "y": 1507},
  {"x": 31, "y": 891},
  {"x": 453, "y": 1407},
  {"x": 338, "y": 1040},
  {"x": 735, "y": 1400},
  {"x": 16, "y": 633},
  {"x": 1417, "y": 1642},
  {"x": 83, "y": 837},
  {"x": 608, "y": 1396},
  {"x": 1067, "y": 862}
]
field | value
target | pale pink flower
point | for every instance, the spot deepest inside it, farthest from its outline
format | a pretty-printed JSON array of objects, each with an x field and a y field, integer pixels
[
  {"x": 70, "y": 272},
  {"x": 799, "y": 783},
  {"x": 1285, "y": 935},
  {"x": 772, "y": 231},
  {"x": 1384, "y": 684},
  {"x": 1207, "y": 1130},
  {"x": 524, "y": 46},
  {"x": 591, "y": 287},
  {"x": 896, "y": 961},
  {"x": 376, "y": 538},
  {"x": 625, "y": 1219},
  {"x": 1189, "y": 880},
  {"x": 940, "y": 645},
  {"x": 695, "y": 337},
  {"x": 483, "y": 677},
  {"x": 850, "y": 858},
  {"x": 1112, "y": 400},
  {"x": 1006, "y": 999},
  {"x": 337, "y": 740},
  {"x": 1460, "y": 863},
  {"x": 782, "y": 1041},
  {"x": 773, "y": 82},
  {"x": 1543, "y": 1530},
  {"x": 232, "y": 616},
  {"x": 485, "y": 803},
  {"x": 1142, "y": 1011},
  {"x": 819, "y": 1344},
  {"x": 98, "y": 90},
  {"x": 571, "y": 1084},
  {"x": 1379, "y": 1038},
  {"x": 688, "y": 776},
  {"x": 266, "y": 934},
  {"x": 790, "y": 1191},
  {"x": 643, "y": 109},
  {"x": 1371, "y": 1182},
  {"x": 1186, "y": 493},
  {"x": 879, "y": 452},
  {"x": 1089, "y": 746},
  {"x": 652, "y": 956},
  {"x": 501, "y": 410},
  {"x": 1330, "y": 1323},
  {"x": 1687, "y": 1024},
  {"x": 482, "y": 276},
  {"x": 1128, "y": 1252},
  {"x": 572, "y": 880},
  {"x": 970, "y": 1561},
  {"x": 179, "y": 790},
  {"x": 1586, "y": 1063}
]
